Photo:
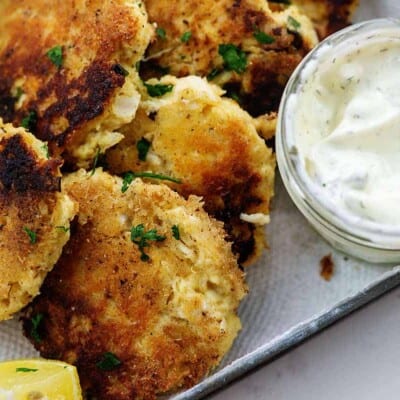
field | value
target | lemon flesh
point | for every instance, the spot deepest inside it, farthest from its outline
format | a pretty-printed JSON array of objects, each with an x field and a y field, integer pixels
[{"x": 38, "y": 380}]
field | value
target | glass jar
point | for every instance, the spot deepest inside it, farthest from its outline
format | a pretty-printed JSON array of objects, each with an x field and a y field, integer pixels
[{"x": 362, "y": 239}]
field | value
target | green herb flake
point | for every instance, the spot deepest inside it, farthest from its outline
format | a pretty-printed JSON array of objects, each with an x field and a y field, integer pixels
[
  {"x": 120, "y": 70},
  {"x": 95, "y": 162},
  {"x": 65, "y": 229},
  {"x": 175, "y": 232},
  {"x": 263, "y": 38},
  {"x": 213, "y": 73},
  {"x": 127, "y": 180},
  {"x": 55, "y": 55},
  {"x": 143, "y": 147},
  {"x": 23, "y": 369},
  {"x": 130, "y": 176},
  {"x": 45, "y": 149},
  {"x": 29, "y": 122},
  {"x": 186, "y": 37},
  {"x": 161, "y": 33},
  {"x": 32, "y": 235},
  {"x": 108, "y": 362},
  {"x": 293, "y": 24},
  {"x": 158, "y": 89},
  {"x": 234, "y": 95},
  {"x": 36, "y": 321},
  {"x": 235, "y": 59},
  {"x": 140, "y": 237}
]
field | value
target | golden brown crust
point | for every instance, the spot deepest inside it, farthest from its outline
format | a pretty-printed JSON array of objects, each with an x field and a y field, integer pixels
[
  {"x": 211, "y": 23},
  {"x": 31, "y": 208},
  {"x": 328, "y": 16},
  {"x": 169, "y": 319},
  {"x": 266, "y": 125},
  {"x": 213, "y": 147},
  {"x": 95, "y": 37},
  {"x": 22, "y": 172}
]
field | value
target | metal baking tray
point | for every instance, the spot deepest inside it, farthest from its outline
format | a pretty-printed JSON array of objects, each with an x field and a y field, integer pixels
[{"x": 289, "y": 300}]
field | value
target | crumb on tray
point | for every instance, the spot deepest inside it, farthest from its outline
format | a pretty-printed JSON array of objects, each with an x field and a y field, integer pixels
[{"x": 327, "y": 267}]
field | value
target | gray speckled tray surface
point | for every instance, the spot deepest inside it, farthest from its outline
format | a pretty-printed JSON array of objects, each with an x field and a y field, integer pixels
[{"x": 288, "y": 301}]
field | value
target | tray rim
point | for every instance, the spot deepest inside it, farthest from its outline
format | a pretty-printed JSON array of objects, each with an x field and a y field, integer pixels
[{"x": 292, "y": 337}]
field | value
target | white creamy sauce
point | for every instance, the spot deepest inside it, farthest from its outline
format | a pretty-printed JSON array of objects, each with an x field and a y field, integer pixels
[{"x": 344, "y": 128}]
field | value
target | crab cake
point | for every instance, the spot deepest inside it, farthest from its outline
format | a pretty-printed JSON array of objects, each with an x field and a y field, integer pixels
[
  {"x": 66, "y": 70},
  {"x": 211, "y": 145},
  {"x": 143, "y": 300},
  {"x": 34, "y": 217},
  {"x": 328, "y": 16},
  {"x": 241, "y": 45}
]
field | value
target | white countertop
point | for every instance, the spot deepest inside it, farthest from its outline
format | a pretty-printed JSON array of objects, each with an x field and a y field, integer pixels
[{"x": 357, "y": 358}]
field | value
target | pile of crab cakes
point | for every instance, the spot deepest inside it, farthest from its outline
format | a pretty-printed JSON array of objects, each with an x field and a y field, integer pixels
[{"x": 135, "y": 180}]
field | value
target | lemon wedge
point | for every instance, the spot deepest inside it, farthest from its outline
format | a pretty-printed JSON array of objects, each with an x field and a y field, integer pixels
[{"x": 38, "y": 380}]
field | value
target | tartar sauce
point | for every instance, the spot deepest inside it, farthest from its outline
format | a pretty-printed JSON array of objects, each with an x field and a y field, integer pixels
[{"x": 343, "y": 127}]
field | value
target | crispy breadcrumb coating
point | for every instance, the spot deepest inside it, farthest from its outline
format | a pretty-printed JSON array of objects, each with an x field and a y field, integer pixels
[
  {"x": 264, "y": 46},
  {"x": 162, "y": 321},
  {"x": 212, "y": 146},
  {"x": 328, "y": 16},
  {"x": 70, "y": 66},
  {"x": 34, "y": 217}
]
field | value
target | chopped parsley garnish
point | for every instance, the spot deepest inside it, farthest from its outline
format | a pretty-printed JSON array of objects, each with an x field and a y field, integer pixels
[
  {"x": 140, "y": 237},
  {"x": 32, "y": 235},
  {"x": 186, "y": 37},
  {"x": 29, "y": 122},
  {"x": 143, "y": 146},
  {"x": 175, "y": 232},
  {"x": 45, "y": 148},
  {"x": 63, "y": 228},
  {"x": 108, "y": 362},
  {"x": 120, "y": 70},
  {"x": 234, "y": 95},
  {"x": 293, "y": 24},
  {"x": 161, "y": 33},
  {"x": 130, "y": 176},
  {"x": 36, "y": 321},
  {"x": 95, "y": 162},
  {"x": 23, "y": 369},
  {"x": 55, "y": 55},
  {"x": 127, "y": 180},
  {"x": 158, "y": 89},
  {"x": 263, "y": 37},
  {"x": 214, "y": 72},
  {"x": 235, "y": 59}
]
